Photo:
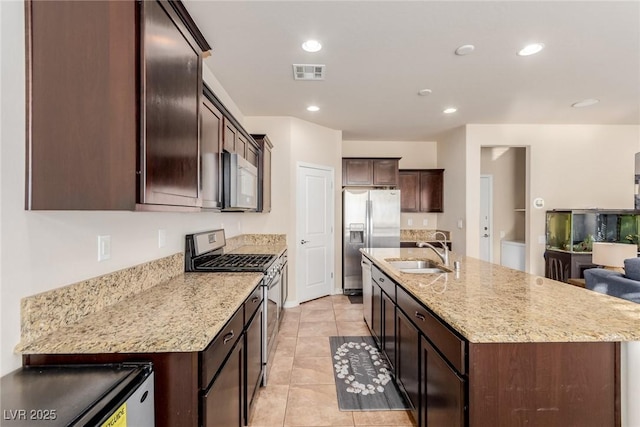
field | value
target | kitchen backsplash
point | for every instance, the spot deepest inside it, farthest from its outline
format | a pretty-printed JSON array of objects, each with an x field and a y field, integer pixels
[
  {"x": 255, "y": 239},
  {"x": 421, "y": 235},
  {"x": 43, "y": 313}
]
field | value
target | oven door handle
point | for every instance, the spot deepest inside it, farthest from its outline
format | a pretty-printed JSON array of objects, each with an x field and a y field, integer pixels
[{"x": 276, "y": 279}]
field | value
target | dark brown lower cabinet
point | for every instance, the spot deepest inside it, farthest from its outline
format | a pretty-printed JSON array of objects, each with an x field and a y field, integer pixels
[
  {"x": 407, "y": 360},
  {"x": 442, "y": 391},
  {"x": 222, "y": 403},
  {"x": 253, "y": 345},
  {"x": 389, "y": 328},
  {"x": 376, "y": 315}
]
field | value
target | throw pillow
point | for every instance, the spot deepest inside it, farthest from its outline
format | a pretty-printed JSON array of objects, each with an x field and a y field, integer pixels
[{"x": 632, "y": 268}]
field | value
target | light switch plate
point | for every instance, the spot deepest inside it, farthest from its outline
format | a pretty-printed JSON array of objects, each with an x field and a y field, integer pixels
[
  {"x": 410, "y": 221},
  {"x": 425, "y": 221},
  {"x": 104, "y": 248},
  {"x": 162, "y": 238},
  {"x": 460, "y": 224}
]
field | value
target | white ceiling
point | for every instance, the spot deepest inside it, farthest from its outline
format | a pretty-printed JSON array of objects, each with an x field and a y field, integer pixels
[{"x": 378, "y": 54}]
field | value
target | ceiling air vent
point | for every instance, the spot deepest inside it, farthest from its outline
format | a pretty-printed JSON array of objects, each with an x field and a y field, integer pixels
[{"x": 308, "y": 72}]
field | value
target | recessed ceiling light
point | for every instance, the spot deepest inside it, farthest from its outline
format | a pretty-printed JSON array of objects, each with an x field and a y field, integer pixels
[
  {"x": 424, "y": 92},
  {"x": 585, "y": 103},
  {"x": 531, "y": 49},
  {"x": 312, "y": 46},
  {"x": 465, "y": 49},
  {"x": 450, "y": 110},
  {"x": 313, "y": 108}
]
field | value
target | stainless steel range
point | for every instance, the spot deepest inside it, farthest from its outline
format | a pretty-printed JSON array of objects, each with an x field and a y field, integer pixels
[{"x": 204, "y": 253}]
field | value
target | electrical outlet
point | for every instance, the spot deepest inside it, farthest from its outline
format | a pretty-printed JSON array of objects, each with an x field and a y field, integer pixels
[
  {"x": 162, "y": 238},
  {"x": 542, "y": 239},
  {"x": 104, "y": 248},
  {"x": 460, "y": 224},
  {"x": 425, "y": 222},
  {"x": 410, "y": 221}
]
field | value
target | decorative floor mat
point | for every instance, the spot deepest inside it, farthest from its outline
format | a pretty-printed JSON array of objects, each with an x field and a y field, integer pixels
[{"x": 363, "y": 378}]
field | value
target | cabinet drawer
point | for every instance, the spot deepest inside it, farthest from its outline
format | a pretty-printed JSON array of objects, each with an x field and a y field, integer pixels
[
  {"x": 384, "y": 282},
  {"x": 212, "y": 357},
  {"x": 448, "y": 343},
  {"x": 252, "y": 303}
]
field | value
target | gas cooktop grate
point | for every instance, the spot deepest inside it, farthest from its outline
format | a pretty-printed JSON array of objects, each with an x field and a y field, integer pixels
[{"x": 235, "y": 262}]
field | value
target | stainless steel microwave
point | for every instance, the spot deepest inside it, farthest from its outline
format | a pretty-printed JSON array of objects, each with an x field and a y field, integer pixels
[{"x": 240, "y": 183}]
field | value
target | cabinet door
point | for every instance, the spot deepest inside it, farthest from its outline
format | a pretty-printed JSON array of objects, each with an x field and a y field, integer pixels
[
  {"x": 170, "y": 112},
  {"x": 385, "y": 172},
  {"x": 253, "y": 351},
  {"x": 210, "y": 149},
  {"x": 389, "y": 329},
  {"x": 251, "y": 154},
  {"x": 442, "y": 391},
  {"x": 376, "y": 313},
  {"x": 82, "y": 105},
  {"x": 408, "y": 359},
  {"x": 241, "y": 144},
  {"x": 230, "y": 137},
  {"x": 431, "y": 183},
  {"x": 222, "y": 404},
  {"x": 409, "y": 184},
  {"x": 357, "y": 172}
]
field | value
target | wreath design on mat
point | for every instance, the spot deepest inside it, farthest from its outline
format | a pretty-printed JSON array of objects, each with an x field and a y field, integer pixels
[{"x": 375, "y": 370}]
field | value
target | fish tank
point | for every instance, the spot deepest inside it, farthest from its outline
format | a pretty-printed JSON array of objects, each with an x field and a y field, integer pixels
[{"x": 575, "y": 230}]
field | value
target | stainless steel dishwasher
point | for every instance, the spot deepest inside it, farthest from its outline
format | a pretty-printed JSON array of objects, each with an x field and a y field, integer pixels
[{"x": 366, "y": 289}]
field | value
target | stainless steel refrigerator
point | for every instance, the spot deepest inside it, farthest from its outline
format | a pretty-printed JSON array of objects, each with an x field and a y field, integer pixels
[{"x": 370, "y": 219}]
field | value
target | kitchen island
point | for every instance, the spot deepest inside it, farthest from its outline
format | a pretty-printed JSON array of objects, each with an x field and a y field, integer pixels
[{"x": 488, "y": 345}]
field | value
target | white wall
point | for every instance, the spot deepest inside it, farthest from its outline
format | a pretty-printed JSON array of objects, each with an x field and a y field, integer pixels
[
  {"x": 452, "y": 157},
  {"x": 414, "y": 155},
  {"x": 570, "y": 166}
]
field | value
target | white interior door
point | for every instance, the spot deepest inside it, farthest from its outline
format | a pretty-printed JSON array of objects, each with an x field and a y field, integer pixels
[
  {"x": 486, "y": 205},
  {"x": 314, "y": 240}
]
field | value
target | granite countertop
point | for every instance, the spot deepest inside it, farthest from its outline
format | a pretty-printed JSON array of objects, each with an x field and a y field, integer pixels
[
  {"x": 275, "y": 249},
  {"x": 181, "y": 315},
  {"x": 488, "y": 303}
]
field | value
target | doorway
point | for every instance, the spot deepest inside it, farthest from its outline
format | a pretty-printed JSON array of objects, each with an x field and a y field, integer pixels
[
  {"x": 314, "y": 231},
  {"x": 486, "y": 217}
]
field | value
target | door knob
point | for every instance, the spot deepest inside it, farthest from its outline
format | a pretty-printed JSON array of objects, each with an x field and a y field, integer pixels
[{"x": 302, "y": 242}]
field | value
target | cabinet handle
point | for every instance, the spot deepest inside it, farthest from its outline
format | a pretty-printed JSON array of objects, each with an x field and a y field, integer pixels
[
  {"x": 228, "y": 337},
  {"x": 420, "y": 316},
  {"x": 254, "y": 300},
  {"x": 382, "y": 279}
]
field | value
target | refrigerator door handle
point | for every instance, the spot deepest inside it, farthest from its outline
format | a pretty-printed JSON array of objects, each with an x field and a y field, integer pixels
[{"x": 369, "y": 222}]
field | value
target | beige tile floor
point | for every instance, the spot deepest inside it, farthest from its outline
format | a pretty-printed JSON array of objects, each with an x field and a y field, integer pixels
[{"x": 301, "y": 389}]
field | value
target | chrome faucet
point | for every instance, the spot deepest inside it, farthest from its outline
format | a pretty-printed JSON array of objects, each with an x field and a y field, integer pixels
[{"x": 444, "y": 255}]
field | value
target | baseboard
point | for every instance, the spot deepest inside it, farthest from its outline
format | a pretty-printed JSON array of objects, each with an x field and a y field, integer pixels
[{"x": 290, "y": 304}]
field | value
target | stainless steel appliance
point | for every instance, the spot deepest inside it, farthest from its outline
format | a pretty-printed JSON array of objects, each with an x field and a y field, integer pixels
[
  {"x": 367, "y": 290},
  {"x": 240, "y": 183},
  {"x": 79, "y": 395},
  {"x": 371, "y": 219},
  {"x": 204, "y": 253}
]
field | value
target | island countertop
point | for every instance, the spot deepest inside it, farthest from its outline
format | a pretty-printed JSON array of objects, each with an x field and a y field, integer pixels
[
  {"x": 488, "y": 303},
  {"x": 181, "y": 315}
]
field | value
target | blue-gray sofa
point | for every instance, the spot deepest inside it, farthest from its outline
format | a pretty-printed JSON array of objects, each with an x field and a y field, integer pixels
[{"x": 626, "y": 286}]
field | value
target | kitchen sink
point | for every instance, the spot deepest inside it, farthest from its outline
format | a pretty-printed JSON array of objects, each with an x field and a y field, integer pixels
[{"x": 418, "y": 267}]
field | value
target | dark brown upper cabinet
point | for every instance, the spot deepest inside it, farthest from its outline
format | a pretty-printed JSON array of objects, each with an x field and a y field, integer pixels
[
  {"x": 264, "y": 172},
  {"x": 113, "y": 105},
  {"x": 421, "y": 190},
  {"x": 370, "y": 172}
]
